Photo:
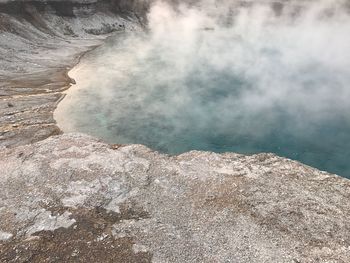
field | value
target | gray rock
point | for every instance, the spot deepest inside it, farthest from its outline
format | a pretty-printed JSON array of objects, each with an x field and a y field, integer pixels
[
  {"x": 195, "y": 207},
  {"x": 38, "y": 46}
]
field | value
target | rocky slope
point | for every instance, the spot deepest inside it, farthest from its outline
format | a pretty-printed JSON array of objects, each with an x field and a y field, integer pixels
[{"x": 72, "y": 198}]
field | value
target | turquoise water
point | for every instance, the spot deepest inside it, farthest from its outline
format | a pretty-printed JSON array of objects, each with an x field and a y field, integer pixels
[{"x": 217, "y": 91}]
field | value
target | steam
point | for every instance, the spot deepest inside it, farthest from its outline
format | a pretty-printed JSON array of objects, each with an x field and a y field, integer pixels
[{"x": 223, "y": 76}]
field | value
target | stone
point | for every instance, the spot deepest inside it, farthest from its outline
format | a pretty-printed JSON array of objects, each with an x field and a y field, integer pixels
[{"x": 194, "y": 207}]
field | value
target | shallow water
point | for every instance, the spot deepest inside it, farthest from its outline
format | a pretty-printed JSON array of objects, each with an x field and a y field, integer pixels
[{"x": 246, "y": 89}]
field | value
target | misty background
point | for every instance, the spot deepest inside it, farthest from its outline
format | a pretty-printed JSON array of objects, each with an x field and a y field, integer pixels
[{"x": 223, "y": 76}]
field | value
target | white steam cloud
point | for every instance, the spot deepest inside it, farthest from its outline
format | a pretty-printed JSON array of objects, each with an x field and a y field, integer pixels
[{"x": 221, "y": 69}]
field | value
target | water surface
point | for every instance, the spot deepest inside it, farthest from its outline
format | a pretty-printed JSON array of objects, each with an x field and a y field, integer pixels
[{"x": 249, "y": 87}]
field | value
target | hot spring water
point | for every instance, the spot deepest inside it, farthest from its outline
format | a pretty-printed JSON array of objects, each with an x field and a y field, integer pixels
[{"x": 195, "y": 82}]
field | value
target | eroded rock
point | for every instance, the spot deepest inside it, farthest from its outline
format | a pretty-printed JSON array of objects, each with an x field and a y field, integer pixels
[{"x": 195, "y": 207}]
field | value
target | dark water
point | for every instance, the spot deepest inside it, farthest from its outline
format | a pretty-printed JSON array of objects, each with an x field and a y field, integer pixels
[{"x": 217, "y": 91}]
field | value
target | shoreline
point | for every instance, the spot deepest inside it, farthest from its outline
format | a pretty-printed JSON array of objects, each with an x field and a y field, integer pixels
[
  {"x": 71, "y": 81},
  {"x": 38, "y": 49},
  {"x": 71, "y": 69},
  {"x": 35, "y": 77},
  {"x": 51, "y": 98}
]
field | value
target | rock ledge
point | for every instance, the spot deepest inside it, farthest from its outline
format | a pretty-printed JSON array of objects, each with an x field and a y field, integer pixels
[{"x": 72, "y": 198}]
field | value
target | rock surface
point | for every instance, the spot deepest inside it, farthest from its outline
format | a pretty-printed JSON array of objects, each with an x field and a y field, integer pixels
[
  {"x": 39, "y": 42},
  {"x": 71, "y": 198}
]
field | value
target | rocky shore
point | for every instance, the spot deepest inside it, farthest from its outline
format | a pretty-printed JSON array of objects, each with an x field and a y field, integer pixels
[
  {"x": 73, "y": 198},
  {"x": 39, "y": 42}
]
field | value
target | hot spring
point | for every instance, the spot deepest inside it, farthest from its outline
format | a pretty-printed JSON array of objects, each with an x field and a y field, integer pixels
[{"x": 239, "y": 79}]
